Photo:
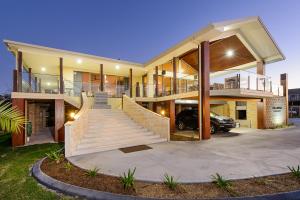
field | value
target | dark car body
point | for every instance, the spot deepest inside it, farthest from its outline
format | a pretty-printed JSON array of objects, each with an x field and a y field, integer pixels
[{"x": 189, "y": 119}]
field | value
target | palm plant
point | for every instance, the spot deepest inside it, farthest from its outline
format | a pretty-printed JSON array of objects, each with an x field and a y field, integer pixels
[{"x": 11, "y": 118}]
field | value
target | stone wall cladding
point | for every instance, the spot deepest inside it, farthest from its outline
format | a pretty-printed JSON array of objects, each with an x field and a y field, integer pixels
[
  {"x": 275, "y": 109},
  {"x": 152, "y": 121}
]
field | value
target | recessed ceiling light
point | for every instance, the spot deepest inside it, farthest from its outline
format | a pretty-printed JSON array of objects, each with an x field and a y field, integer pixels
[
  {"x": 229, "y": 53},
  {"x": 48, "y": 83},
  {"x": 117, "y": 66},
  {"x": 43, "y": 69},
  {"x": 79, "y": 61}
]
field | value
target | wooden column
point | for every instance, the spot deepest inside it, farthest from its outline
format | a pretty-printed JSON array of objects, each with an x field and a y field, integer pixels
[
  {"x": 156, "y": 81},
  {"x": 174, "y": 75},
  {"x": 172, "y": 114},
  {"x": 59, "y": 120},
  {"x": 61, "y": 76},
  {"x": 130, "y": 82},
  {"x": 203, "y": 93},
  {"x": 137, "y": 89},
  {"x": 284, "y": 83},
  {"x": 18, "y": 139},
  {"x": 260, "y": 68},
  {"x": 101, "y": 78},
  {"x": 30, "y": 79},
  {"x": 20, "y": 69},
  {"x": 261, "y": 113},
  {"x": 15, "y": 80}
]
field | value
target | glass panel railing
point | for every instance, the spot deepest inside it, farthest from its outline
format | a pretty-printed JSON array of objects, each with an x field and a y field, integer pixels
[{"x": 239, "y": 79}]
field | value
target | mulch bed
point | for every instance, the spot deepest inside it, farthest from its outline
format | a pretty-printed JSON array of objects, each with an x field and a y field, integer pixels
[{"x": 246, "y": 187}]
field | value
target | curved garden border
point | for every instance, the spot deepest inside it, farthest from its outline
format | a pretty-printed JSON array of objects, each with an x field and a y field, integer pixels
[{"x": 73, "y": 190}]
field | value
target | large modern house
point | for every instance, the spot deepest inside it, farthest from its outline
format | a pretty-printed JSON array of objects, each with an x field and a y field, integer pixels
[{"x": 94, "y": 103}]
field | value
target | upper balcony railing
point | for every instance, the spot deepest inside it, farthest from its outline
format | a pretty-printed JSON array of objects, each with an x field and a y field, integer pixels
[
  {"x": 49, "y": 84},
  {"x": 233, "y": 79},
  {"x": 239, "y": 79},
  {"x": 228, "y": 80}
]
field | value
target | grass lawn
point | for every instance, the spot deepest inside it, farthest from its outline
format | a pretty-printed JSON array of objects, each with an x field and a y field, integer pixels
[{"x": 15, "y": 180}]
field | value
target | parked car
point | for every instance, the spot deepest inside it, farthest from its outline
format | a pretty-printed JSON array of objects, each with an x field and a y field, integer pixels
[{"x": 189, "y": 119}]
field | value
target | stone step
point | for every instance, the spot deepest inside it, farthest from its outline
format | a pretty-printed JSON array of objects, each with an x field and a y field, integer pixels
[
  {"x": 102, "y": 106},
  {"x": 116, "y": 132},
  {"x": 117, "y": 146},
  {"x": 107, "y": 142},
  {"x": 100, "y": 138}
]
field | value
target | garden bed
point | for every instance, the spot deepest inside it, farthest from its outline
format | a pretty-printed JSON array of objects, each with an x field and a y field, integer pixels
[{"x": 247, "y": 187}]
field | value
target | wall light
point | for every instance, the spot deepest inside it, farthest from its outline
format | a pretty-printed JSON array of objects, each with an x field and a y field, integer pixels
[
  {"x": 163, "y": 112},
  {"x": 43, "y": 69},
  {"x": 48, "y": 83},
  {"x": 229, "y": 53},
  {"x": 79, "y": 61},
  {"x": 117, "y": 66},
  {"x": 72, "y": 115}
]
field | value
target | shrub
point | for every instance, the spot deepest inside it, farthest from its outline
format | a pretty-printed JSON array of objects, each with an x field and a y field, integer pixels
[
  {"x": 295, "y": 171},
  {"x": 127, "y": 180},
  {"x": 170, "y": 182},
  {"x": 221, "y": 182},
  {"x": 68, "y": 166},
  {"x": 55, "y": 156},
  {"x": 92, "y": 172}
]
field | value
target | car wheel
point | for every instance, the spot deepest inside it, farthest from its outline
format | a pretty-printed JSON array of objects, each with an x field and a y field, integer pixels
[
  {"x": 226, "y": 130},
  {"x": 181, "y": 125},
  {"x": 213, "y": 129}
]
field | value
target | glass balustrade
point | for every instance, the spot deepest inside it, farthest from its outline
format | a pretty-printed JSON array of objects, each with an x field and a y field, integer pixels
[{"x": 225, "y": 80}]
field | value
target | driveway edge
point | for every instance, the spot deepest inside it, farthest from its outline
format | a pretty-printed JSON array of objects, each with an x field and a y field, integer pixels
[{"x": 77, "y": 191}]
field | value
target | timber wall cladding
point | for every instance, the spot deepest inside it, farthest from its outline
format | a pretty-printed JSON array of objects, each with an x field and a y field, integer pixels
[{"x": 275, "y": 112}]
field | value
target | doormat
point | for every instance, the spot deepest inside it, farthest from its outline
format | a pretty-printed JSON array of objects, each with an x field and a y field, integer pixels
[{"x": 135, "y": 148}]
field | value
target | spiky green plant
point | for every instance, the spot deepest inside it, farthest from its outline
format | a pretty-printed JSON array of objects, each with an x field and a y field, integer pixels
[
  {"x": 127, "y": 180},
  {"x": 221, "y": 182},
  {"x": 68, "y": 166},
  {"x": 170, "y": 182},
  {"x": 55, "y": 156},
  {"x": 295, "y": 171},
  {"x": 11, "y": 118},
  {"x": 92, "y": 172}
]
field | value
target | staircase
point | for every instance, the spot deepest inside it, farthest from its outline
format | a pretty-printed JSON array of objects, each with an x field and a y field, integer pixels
[
  {"x": 100, "y": 101},
  {"x": 110, "y": 129}
]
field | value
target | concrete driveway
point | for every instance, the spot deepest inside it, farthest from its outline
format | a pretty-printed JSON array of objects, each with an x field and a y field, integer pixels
[{"x": 244, "y": 153}]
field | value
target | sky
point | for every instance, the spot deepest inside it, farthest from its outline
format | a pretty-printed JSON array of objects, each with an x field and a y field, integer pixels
[{"x": 138, "y": 30}]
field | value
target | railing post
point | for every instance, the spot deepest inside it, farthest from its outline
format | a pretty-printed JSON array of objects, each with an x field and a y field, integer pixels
[
  {"x": 248, "y": 82},
  {"x": 156, "y": 81},
  {"x": 101, "y": 78},
  {"x": 238, "y": 81},
  {"x": 35, "y": 84},
  {"x": 264, "y": 84},
  {"x": 61, "y": 81},
  {"x": 270, "y": 86},
  {"x": 30, "y": 79}
]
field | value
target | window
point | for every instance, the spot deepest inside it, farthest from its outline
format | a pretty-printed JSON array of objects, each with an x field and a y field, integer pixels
[{"x": 241, "y": 110}]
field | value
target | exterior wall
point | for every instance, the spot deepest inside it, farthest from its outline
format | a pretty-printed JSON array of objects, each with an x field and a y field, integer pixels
[
  {"x": 154, "y": 122},
  {"x": 251, "y": 121},
  {"x": 116, "y": 103},
  {"x": 220, "y": 109},
  {"x": 275, "y": 112}
]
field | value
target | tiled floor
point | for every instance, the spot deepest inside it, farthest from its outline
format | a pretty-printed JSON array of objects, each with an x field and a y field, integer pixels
[{"x": 44, "y": 136}]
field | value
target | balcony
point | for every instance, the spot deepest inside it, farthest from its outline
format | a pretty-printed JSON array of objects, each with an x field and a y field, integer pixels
[{"x": 231, "y": 83}]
